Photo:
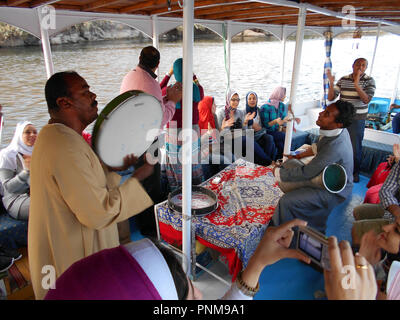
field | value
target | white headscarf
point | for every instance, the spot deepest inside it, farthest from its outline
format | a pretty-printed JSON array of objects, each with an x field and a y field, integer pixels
[
  {"x": 8, "y": 156},
  {"x": 154, "y": 265}
]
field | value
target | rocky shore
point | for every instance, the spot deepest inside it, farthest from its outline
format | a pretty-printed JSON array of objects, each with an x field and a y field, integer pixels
[{"x": 107, "y": 30}]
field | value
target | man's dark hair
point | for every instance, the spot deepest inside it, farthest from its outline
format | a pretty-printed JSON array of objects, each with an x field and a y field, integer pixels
[
  {"x": 346, "y": 112},
  {"x": 149, "y": 57},
  {"x": 57, "y": 87},
  {"x": 358, "y": 59}
]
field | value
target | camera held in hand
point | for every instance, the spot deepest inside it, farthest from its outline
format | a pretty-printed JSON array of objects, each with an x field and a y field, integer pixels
[{"x": 315, "y": 245}]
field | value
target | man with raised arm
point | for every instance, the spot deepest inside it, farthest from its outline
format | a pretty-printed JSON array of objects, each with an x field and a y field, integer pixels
[{"x": 357, "y": 88}]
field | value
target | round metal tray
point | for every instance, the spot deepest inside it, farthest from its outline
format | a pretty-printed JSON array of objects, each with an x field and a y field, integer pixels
[{"x": 204, "y": 201}]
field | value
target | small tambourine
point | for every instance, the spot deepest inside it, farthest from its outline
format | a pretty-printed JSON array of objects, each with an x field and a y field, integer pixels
[
  {"x": 204, "y": 201},
  {"x": 127, "y": 125}
]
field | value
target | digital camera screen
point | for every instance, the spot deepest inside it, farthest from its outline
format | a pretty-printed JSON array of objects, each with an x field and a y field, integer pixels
[{"x": 310, "y": 246}]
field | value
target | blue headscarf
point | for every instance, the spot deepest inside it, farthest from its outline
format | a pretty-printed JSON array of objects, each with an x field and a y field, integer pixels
[
  {"x": 251, "y": 109},
  {"x": 178, "y": 66}
]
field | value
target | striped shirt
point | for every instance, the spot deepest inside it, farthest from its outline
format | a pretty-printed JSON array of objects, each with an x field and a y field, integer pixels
[
  {"x": 345, "y": 87},
  {"x": 389, "y": 193}
]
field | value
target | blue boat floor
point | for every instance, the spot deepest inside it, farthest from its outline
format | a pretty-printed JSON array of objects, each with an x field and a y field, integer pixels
[{"x": 290, "y": 279}]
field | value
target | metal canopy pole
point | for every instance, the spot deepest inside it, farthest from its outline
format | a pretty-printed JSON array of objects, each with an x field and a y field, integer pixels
[
  {"x": 228, "y": 54},
  {"x": 283, "y": 42},
  {"x": 396, "y": 83},
  {"x": 295, "y": 75},
  {"x": 44, "y": 37},
  {"x": 187, "y": 100},
  {"x": 376, "y": 45}
]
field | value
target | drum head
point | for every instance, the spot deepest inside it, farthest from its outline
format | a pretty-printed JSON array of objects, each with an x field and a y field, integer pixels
[
  {"x": 204, "y": 201},
  {"x": 127, "y": 125}
]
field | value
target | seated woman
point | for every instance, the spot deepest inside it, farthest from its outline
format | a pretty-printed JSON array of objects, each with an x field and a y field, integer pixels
[
  {"x": 15, "y": 162},
  {"x": 263, "y": 139},
  {"x": 378, "y": 178},
  {"x": 233, "y": 118},
  {"x": 210, "y": 142},
  {"x": 381, "y": 207},
  {"x": 274, "y": 116}
]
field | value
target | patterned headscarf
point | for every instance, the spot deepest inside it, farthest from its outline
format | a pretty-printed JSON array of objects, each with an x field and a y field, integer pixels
[{"x": 228, "y": 107}]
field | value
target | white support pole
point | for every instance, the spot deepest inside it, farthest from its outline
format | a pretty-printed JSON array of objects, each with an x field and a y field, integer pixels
[
  {"x": 396, "y": 83},
  {"x": 187, "y": 100},
  {"x": 295, "y": 74},
  {"x": 283, "y": 43},
  {"x": 44, "y": 37},
  {"x": 376, "y": 46},
  {"x": 154, "y": 23},
  {"x": 228, "y": 52}
]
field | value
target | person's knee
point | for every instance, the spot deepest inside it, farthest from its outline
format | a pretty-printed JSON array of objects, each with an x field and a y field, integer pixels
[
  {"x": 356, "y": 212},
  {"x": 268, "y": 138}
]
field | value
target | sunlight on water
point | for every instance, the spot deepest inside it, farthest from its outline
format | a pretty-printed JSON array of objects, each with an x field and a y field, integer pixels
[{"x": 255, "y": 66}]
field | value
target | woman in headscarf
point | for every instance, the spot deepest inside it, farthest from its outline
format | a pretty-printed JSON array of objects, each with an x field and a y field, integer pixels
[
  {"x": 231, "y": 118},
  {"x": 15, "y": 162},
  {"x": 207, "y": 109},
  {"x": 274, "y": 115},
  {"x": 144, "y": 270},
  {"x": 210, "y": 139},
  {"x": 173, "y": 142},
  {"x": 264, "y": 140}
]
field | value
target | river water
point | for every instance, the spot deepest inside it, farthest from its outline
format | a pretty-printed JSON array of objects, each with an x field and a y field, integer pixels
[{"x": 255, "y": 66}]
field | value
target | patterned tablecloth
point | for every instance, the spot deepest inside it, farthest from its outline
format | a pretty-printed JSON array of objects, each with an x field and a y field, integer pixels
[{"x": 247, "y": 196}]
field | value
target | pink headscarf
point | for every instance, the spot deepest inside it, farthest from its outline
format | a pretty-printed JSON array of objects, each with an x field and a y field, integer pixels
[{"x": 276, "y": 96}]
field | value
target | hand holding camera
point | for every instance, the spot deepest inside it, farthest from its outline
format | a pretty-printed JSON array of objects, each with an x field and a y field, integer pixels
[
  {"x": 273, "y": 247},
  {"x": 347, "y": 276}
]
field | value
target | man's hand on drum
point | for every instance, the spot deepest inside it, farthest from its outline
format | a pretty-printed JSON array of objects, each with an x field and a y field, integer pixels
[
  {"x": 174, "y": 93},
  {"x": 128, "y": 160},
  {"x": 144, "y": 171}
]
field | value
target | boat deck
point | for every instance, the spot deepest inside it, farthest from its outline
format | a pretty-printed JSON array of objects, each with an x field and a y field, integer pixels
[{"x": 287, "y": 279}]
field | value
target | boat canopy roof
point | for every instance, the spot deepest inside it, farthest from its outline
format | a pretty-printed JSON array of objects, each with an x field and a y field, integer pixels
[{"x": 278, "y": 17}]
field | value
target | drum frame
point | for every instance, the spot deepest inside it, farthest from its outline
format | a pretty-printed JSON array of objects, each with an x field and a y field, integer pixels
[{"x": 109, "y": 109}]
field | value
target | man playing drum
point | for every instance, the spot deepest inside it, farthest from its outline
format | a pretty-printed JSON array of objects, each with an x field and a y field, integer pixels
[
  {"x": 313, "y": 204},
  {"x": 76, "y": 201}
]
